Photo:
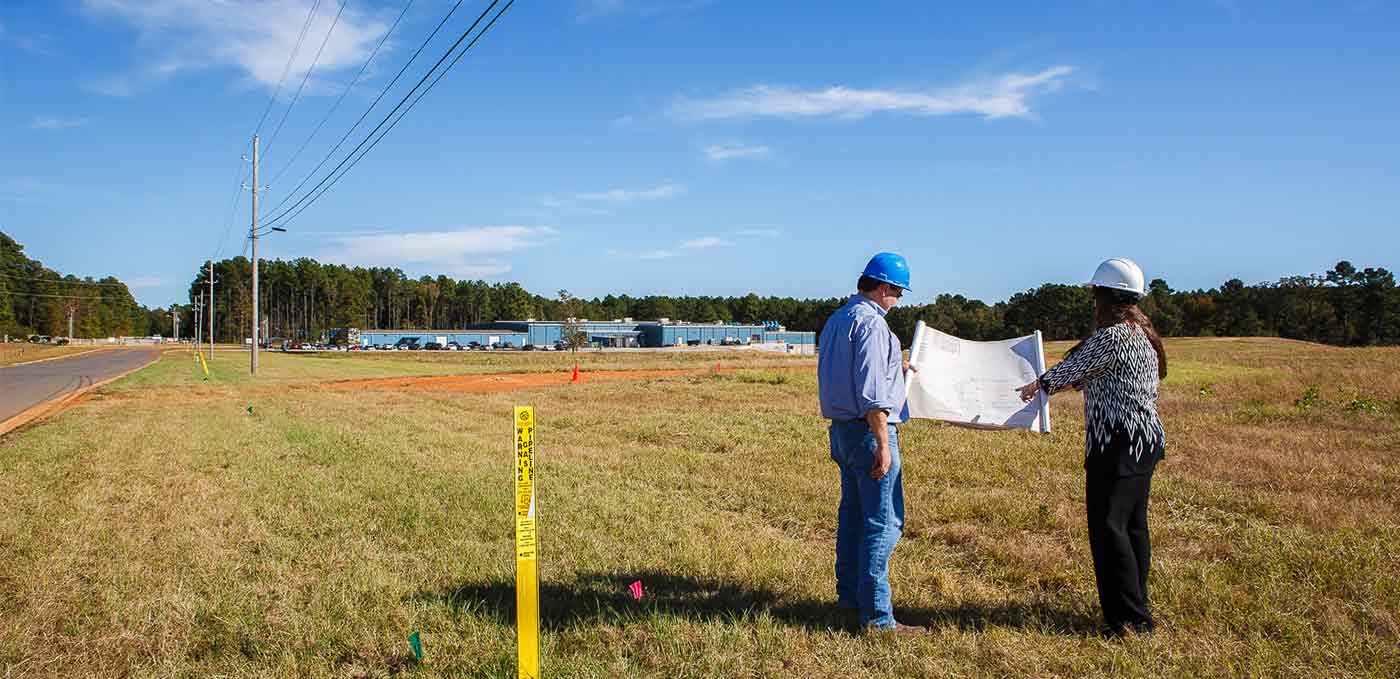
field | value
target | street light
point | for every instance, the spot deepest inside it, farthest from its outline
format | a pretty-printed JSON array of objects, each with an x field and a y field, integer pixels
[{"x": 257, "y": 312}]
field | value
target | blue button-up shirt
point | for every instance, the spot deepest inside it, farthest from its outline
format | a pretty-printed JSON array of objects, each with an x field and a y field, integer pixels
[{"x": 859, "y": 364}]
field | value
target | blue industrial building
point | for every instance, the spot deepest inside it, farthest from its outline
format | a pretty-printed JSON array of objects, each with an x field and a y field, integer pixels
[{"x": 624, "y": 333}]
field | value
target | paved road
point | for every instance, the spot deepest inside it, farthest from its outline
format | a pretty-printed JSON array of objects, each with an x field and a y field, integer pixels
[{"x": 25, "y": 386}]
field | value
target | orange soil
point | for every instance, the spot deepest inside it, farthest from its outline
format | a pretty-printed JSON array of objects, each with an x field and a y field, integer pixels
[{"x": 484, "y": 384}]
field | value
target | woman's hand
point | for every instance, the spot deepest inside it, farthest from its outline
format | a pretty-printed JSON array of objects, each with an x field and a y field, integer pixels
[{"x": 1028, "y": 391}]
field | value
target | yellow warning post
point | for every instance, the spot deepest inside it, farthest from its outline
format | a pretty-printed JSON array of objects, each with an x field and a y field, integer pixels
[
  {"x": 202, "y": 364},
  {"x": 527, "y": 584}
]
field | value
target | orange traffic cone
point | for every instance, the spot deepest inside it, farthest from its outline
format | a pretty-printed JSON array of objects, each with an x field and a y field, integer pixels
[{"x": 575, "y": 377}]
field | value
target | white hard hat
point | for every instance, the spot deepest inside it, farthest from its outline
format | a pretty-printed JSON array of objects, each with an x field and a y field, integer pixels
[{"x": 1119, "y": 274}]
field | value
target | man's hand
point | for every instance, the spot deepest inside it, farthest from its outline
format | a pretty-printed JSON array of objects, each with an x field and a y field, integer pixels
[
  {"x": 1028, "y": 391},
  {"x": 880, "y": 428},
  {"x": 910, "y": 366},
  {"x": 881, "y": 465}
]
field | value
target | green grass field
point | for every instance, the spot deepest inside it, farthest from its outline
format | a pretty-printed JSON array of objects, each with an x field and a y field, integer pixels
[{"x": 162, "y": 529}]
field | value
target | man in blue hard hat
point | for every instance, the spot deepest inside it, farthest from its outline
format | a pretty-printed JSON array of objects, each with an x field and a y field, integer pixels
[{"x": 860, "y": 377}]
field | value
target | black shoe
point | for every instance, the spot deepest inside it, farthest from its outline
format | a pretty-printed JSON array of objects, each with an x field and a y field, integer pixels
[
  {"x": 850, "y": 617},
  {"x": 1142, "y": 628}
]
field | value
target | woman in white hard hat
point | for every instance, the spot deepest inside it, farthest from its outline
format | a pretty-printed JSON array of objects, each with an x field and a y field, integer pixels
[{"x": 1118, "y": 367}]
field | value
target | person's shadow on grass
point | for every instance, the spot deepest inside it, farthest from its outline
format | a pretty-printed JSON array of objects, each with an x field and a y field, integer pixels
[{"x": 603, "y": 598}]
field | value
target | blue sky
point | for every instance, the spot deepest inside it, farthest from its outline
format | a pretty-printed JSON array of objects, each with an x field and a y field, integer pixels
[{"x": 717, "y": 147}]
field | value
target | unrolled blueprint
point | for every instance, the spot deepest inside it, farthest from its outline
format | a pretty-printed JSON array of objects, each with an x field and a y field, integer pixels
[{"x": 974, "y": 383}]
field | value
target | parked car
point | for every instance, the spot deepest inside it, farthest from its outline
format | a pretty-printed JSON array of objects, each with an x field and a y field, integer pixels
[
  {"x": 62, "y": 341},
  {"x": 452, "y": 346},
  {"x": 432, "y": 346},
  {"x": 474, "y": 346},
  {"x": 692, "y": 343}
]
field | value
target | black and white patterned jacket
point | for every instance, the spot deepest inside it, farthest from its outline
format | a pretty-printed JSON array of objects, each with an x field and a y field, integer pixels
[{"x": 1117, "y": 368}]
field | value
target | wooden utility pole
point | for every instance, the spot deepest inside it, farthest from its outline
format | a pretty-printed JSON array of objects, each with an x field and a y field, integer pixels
[
  {"x": 253, "y": 234},
  {"x": 211, "y": 308},
  {"x": 198, "y": 328}
]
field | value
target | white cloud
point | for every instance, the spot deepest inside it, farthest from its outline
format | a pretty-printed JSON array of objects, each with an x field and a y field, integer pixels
[
  {"x": 682, "y": 248},
  {"x": 254, "y": 37},
  {"x": 642, "y": 254},
  {"x": 56, "y": 123},
  {"x": 465, "y": 252},
  {"x": 758, "y": 233},
  {"x": 588, "y": 202},
  {"x": 731, "y": 150},
  {"x": 632, "y": 195},
  {"x": 1007, "y": 96},
  {"x": 704, "y": 243}
]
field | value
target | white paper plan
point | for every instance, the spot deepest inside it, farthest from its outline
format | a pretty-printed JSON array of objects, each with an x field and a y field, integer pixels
[{"x": 974, "y": 383}]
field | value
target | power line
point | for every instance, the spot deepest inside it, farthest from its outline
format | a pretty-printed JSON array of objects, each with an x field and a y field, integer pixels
[
  {"x": 343, "y": 94},
  {"x": 288, "y": 68},
  {"x": 316, "y": 60},
  {"x": 233, "y": 206},
  {"x": 372, "y": 104},
  {"x": 40, "y": 294},
  {"x": 238, "y": 182},
  {"x": 410, "y": 93},
  {"x": 41, "y": 279},
  {"x": 410, "y": 106}
]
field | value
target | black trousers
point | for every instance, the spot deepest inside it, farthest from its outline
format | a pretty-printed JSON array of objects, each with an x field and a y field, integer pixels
[{"x": 1117, "y": 511}]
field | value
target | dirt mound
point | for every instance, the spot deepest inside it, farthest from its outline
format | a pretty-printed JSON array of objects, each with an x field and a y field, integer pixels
[{"x": 482, "y": 384}]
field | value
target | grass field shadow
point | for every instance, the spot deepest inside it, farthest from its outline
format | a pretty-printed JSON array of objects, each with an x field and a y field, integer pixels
[{"x": 603, "y": 598}]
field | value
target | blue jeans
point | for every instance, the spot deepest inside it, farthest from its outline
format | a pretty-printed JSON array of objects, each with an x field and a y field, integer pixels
[{"x": 868, "y": 523}]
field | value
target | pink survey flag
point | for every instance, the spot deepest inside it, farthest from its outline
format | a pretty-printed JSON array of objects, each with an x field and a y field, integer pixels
[{"x": 636, "y": 589}]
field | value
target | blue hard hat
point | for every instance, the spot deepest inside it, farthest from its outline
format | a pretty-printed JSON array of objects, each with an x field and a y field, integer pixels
[{"x": 889, "y": 267}]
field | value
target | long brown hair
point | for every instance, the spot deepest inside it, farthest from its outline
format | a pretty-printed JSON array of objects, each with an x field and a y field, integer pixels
[{"x": 1112, "y": 307}]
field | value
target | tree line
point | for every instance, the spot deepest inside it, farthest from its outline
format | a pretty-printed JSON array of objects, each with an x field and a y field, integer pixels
[
  {"x": 1344, "y": 306},
  {"x": 303, "y": 299},
  {"x": 36, "y": 299}
]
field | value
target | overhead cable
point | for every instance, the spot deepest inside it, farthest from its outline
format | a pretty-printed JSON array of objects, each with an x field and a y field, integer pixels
[
  {"x": 287, "y": 196},
  {"x": 334, "y": 107},
  {"x": 455, "y": 45},
  {"x": 232, "y": 207},
  {"x": 40, "y": 279},
  {"x": 306, "y": 25},
  {"x": 307, "y": 76},
  {"x": 410, "y": 108},
  {"x": 40, "y": 294}
]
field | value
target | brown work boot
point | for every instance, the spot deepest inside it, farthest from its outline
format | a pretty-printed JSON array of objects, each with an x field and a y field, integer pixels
[{"x": 901, "y": 630}]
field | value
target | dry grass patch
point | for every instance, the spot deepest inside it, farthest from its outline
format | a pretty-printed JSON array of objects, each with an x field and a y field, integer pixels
[
  {"x": 142, "y": 537},
  {"x": 13, "y": 352}
]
